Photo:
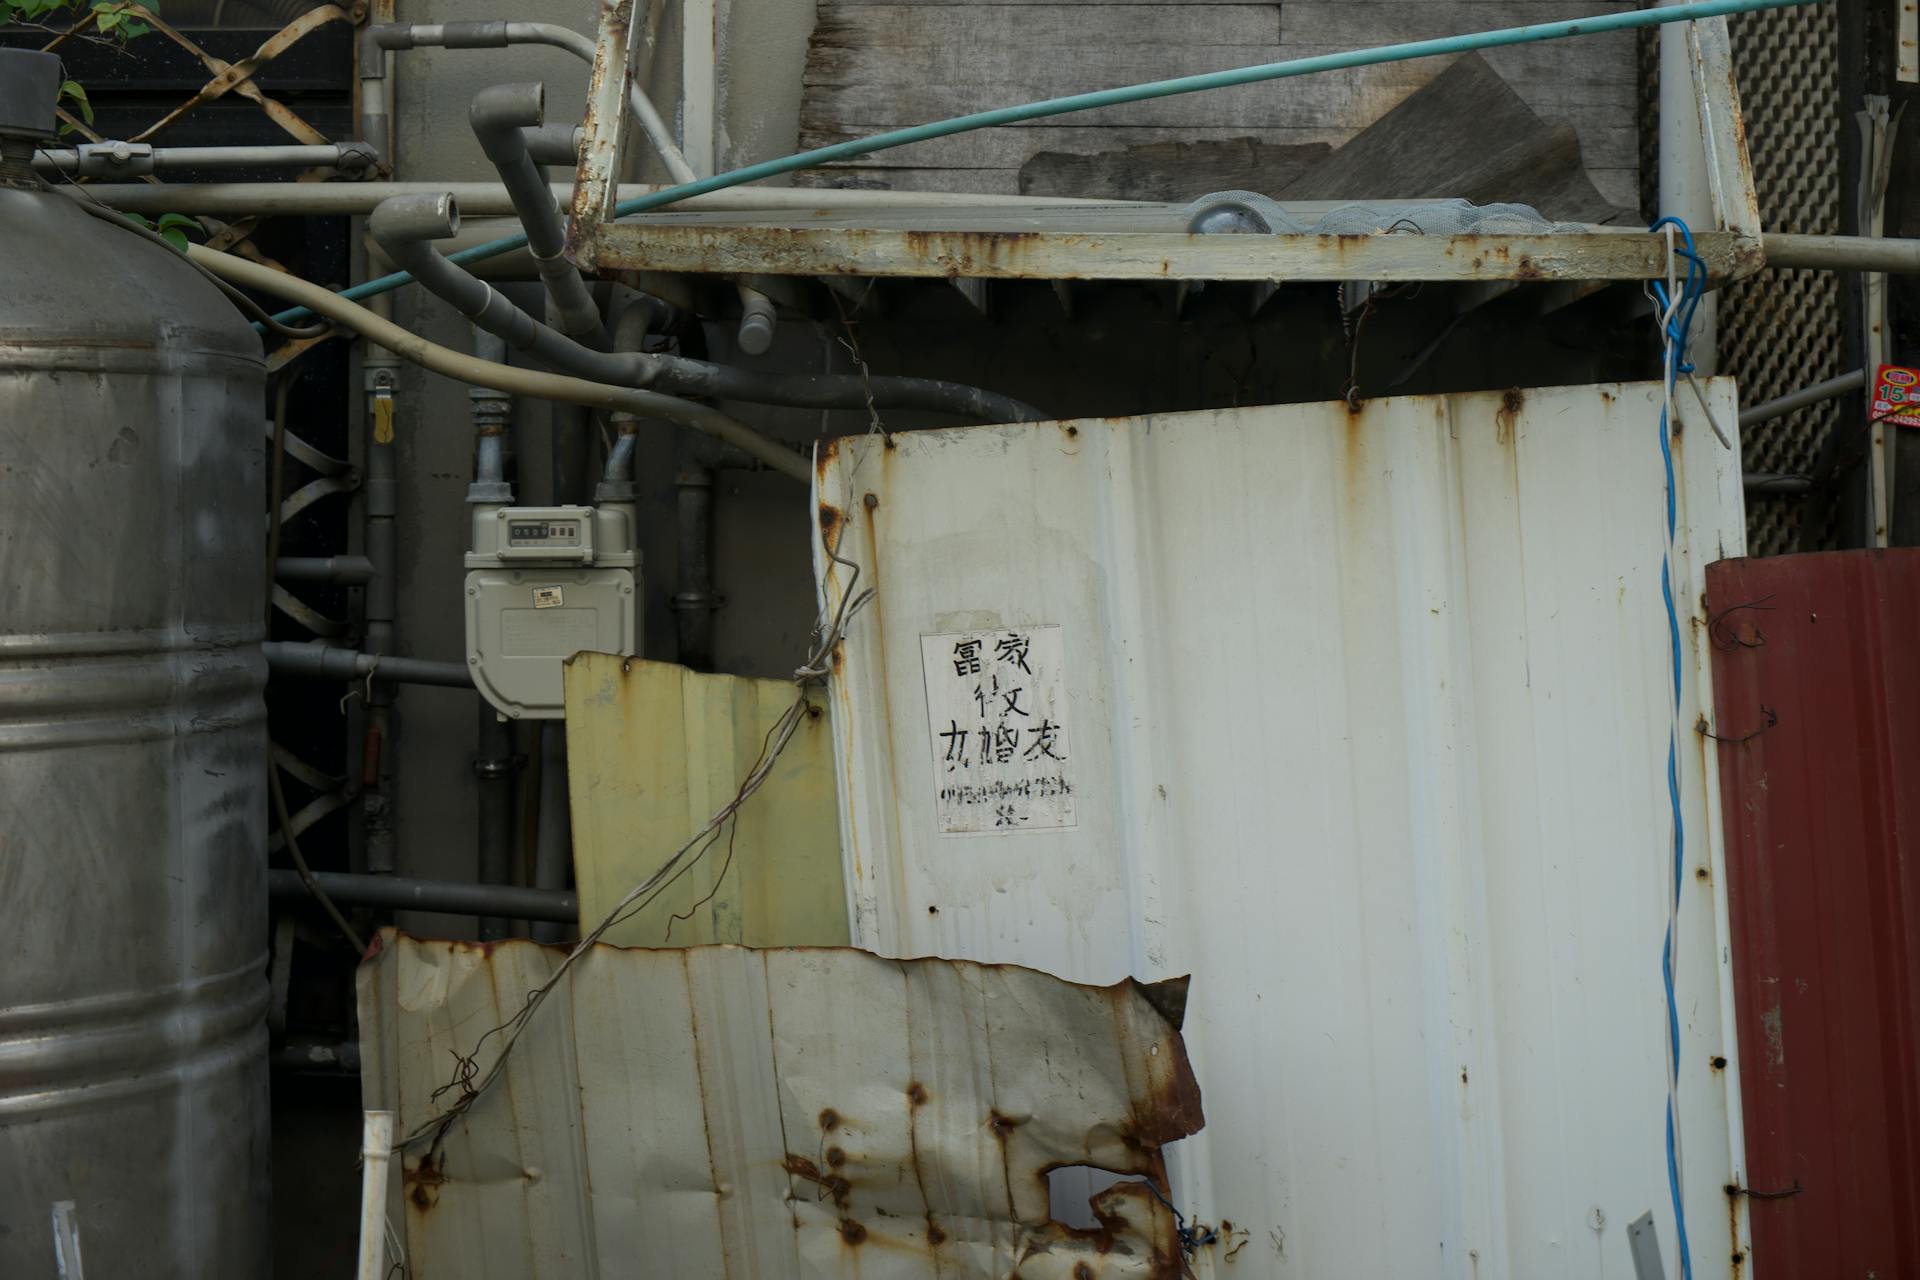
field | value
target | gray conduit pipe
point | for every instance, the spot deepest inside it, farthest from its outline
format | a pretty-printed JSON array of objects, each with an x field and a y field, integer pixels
[
  {"x": 553, "y": 831},
  {"x": 493, "y": 769},
  {"x": 330, "y": 662},
  {"x": 406, "y": 225},
  {"x": 1809, "y": 395},
  {"x": 404, "y": 893},
  {"x": 492, "y": 418},
  {"x": 530, "y": 382},
  {"x": 554, "y": 144},
  {"x": 500, "y": 116},
  {"x": 115, "y": 159},
  {"x": 629, "y": 334},
  {"x": 496, "y": 34},
  {"x": 349, "y": 571}
]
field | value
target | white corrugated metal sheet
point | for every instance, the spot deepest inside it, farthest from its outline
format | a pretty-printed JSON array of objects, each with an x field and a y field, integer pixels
[
  {"x": 719, "y": 1113},
  {"x": 1367, "y": 715}
]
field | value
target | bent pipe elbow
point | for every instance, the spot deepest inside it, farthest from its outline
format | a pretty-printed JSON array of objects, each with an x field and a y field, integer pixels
[{"x": 500, "y": 111}]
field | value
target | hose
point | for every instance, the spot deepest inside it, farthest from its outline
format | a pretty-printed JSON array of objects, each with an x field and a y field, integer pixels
[
  {"x": 406, "y": 225},
  {"x": 515, "y": 381},
  {"x": 248, "y": 307},
  {"x": 1626, "y": 20}
]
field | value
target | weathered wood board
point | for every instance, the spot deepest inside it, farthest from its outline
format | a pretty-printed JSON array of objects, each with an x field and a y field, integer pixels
[{"x": 873, "y": 67}]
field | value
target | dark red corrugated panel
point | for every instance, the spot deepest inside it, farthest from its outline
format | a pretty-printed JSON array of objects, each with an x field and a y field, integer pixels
[{"x": 1823, "y": 847}]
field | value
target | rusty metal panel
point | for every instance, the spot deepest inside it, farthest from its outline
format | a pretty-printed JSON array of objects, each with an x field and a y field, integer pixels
[
  {"x": 758, "y": 1115},
  {"x": 791, "y": 247},
  {"x": 1366, "y": 717},
  {"x": 654, "y": 749},
  {"x": 1817, "y": 705}
]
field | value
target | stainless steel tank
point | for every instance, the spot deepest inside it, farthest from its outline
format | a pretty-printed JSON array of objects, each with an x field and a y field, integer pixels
[{"x": 133, "y": 924}]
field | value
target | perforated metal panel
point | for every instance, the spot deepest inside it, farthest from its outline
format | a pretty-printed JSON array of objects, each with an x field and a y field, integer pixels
[{"x": 1780, "y": 330}]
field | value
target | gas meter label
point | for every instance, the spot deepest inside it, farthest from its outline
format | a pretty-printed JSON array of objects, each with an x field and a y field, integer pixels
[
  {"x": 1896, "y": 396},
  {"x": 997, "y": 720},
  {"x": 547, "y": 598}
]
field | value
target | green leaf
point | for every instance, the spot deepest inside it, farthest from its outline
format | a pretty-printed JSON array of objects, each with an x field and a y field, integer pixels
[
  {"x": 176, "y": 238},
  {"x": 169, "y": 221},
  {"x": 72, "y": 91},
  {"x": 107, "y": 21},
  {"x": 130, "y": 28},
  {"x": 134, "y": 217}
]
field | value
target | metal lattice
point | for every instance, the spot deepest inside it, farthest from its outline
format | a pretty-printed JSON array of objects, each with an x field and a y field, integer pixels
[{"x": 1779, "y": 330}]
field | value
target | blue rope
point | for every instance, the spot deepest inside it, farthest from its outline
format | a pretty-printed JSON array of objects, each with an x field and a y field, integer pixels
[{"x": 1674, "y": 335}]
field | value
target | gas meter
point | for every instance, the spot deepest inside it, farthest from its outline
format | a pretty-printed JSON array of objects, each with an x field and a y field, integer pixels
[{"x": 545, "y": 583}]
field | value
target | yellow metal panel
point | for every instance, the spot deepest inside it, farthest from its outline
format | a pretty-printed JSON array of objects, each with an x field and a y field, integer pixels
[{"x": 655, "y": 750}]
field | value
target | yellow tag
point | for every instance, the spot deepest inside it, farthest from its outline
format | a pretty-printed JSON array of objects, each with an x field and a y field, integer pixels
[{"x": 383, "y": 419}]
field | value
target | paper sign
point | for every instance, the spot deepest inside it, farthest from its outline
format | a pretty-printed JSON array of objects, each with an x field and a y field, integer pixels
[
  {"x": 997, "y": 720},
  {"x": 1896, "y": 396}
]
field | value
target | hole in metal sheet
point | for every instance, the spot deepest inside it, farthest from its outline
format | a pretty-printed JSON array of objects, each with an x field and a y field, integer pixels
[{"x": 1071, "y": 1189}]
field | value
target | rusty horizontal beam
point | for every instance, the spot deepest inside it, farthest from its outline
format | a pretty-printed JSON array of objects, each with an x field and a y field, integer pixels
[{"x": 1082, "y": 255}]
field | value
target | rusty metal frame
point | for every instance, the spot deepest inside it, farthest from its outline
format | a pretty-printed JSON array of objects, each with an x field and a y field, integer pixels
[{"x": 928, "y": 242}]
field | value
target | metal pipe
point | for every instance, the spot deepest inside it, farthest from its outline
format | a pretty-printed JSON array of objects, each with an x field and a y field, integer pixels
[
  {"x": 694, "y": 602},
  {"x": 619, "y": 468},
  {"x": 499, "y": 116},
  {"x": 1809, "y": 395},
  {"x": 379, "y": 496},
  {"x": 492, "y": 418},
  {"x": 330, "y": 662},
  {"x": 376, "y": 1163},
  {"x": 1775, "y": 482},
  {"x": 134, "y": 159},
  {"x": 1843, "y": 253},
  {"x": 553, "y": 836},
  {"x": 531, "y": 382},
  {"x": 406, "y": 225},
  {"x": 554, "y": 144},
  {"x": 489, "y": 199},
  {"x": 404, "y": 893},
  {"x": 757, "y": 321},
  {"x": 350, "y": 571},
  {"x": 493, "y": 766}
]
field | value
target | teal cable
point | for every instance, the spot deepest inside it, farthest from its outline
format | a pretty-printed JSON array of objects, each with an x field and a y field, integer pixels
[{"x": 1632, "y": 18}]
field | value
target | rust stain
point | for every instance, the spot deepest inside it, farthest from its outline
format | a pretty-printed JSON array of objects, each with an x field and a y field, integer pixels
[
  {"x": 916, "y": 1093},
  {"x": 830, "y": 518},
  {"x": 852, "y": 1232},
  {"x": 1002, "y": 1125},
  {"x": 423, "y": 1182},
  {"x": 1507, "y": 418},
  {"x": 829, "y": 1120},
  {"x": 935, "y": 1236},
  {"x": 834, "y": 1185}
]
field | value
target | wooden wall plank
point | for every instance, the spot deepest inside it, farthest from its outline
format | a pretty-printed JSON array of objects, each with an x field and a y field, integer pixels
[{"x": 874, "y": 67}]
